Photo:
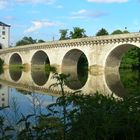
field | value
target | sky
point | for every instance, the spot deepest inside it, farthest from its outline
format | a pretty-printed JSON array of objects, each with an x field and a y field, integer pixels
[{"x": 42, "y": 19}]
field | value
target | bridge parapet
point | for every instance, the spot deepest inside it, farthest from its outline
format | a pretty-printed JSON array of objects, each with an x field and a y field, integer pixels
[{"x": 109, "y": 39}]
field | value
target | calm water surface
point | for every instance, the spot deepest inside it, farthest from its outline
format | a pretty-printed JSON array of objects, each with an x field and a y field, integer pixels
[{"x": 28, "y": 90}]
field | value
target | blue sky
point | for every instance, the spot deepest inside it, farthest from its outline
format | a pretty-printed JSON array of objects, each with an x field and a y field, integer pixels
[{"x": 42, "y": 19}]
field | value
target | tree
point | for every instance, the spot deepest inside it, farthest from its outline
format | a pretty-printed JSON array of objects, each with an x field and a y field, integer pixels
[
  {"x": 40, "y": 41},
  {"x": 63, "y": 34},
  {"x": 117, "y": 32},
  {"x": 125, "y": 32},
  {"x": 102, "y": 32},
  {"x": 77, "y": 33},
  {"x": 28, "y": 40}
]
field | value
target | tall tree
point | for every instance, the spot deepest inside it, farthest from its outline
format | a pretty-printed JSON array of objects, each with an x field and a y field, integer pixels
[
  {"x": 63, "y": 34},
  {"x": 102, "y": 32},
  {"x": 28, "y": 40},
  {"x": 77, "y": 33}
]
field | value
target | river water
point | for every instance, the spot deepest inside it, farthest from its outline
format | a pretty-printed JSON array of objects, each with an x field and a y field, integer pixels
[{"x": 32, "y": 89}]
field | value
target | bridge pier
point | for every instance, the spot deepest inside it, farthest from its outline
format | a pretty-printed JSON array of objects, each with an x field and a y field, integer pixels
[
  {"x": 96, "y": 70},
  {"x": 103, "y": 53}
]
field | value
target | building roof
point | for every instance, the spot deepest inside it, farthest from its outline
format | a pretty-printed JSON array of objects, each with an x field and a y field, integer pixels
[{"x": 3, "y": 24}]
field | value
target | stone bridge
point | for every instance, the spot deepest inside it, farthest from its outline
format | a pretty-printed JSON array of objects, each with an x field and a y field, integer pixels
[{"x": 103, "y": 53}]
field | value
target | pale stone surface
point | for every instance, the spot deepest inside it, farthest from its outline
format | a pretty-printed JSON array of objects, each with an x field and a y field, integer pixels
[{"x": 103, "y": 53}]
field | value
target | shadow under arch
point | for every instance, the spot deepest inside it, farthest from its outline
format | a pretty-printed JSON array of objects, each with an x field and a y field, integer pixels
[
  {"x": 15, "y": 59},
  {"x": 0, "y": 46},
  {"x": 39, "y": 72},
  {"x": 40, "y": 58},
  {"x": 112, "y": 75},
  {"x": 75, "y": 64},
  {"x": 39, "y": 77},
  {"x": 15, "y": 75}
]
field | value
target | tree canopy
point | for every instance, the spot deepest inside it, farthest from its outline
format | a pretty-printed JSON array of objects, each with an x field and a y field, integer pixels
[
  {"x": 125, "y": 31},
  {"x": 102, "y": 32},
  {"x": 28, "y": 40},
  {"x": 119, "y": 32},
  {"x": 63, "y": 34},
  {"x": 77, "y": 33}
]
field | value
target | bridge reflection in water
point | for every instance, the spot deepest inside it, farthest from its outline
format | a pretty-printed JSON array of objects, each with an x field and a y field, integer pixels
[{"x": 40, "y": 81}]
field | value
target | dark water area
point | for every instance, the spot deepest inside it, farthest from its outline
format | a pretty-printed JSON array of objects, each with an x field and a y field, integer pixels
[
  {"x": 15, "y": 74},
  {"x": 40, "y": 77},
  {"x": 131, "y": 80}
]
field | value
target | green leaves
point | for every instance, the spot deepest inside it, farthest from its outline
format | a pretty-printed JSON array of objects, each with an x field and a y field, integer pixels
[
  {"x": 76, "y": 33},
  {"x": 28, "y": 40},
  {"x": 102, "y": 32}
]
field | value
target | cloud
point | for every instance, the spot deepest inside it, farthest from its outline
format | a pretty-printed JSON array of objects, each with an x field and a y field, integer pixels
[
  {"x": 3, "y": 4},
  {"x": 8, "y": 17},
  {"x": 77, "y": 17},
  {"x": 59, "y": 6},
  {"x": 36, "y": 1},
  {"x": 108, "y": 1},
  {"x": 97, "y": 14},
  {"x": 82, "y": 11},
  {"x": 81, "y": 14},
  {"x": 37, "y": 25}
]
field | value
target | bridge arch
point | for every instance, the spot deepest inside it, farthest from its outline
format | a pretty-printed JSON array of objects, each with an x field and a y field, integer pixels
[
  {"x": 71, "y": 62},
  {"x": 1, "y": 46},
  {"x": 40, "y": 57},
  {"x": 112, "y": 64},
  {"x": 15, "y": 59},
  {"x": 15, "y": 75},
  {"x": 114, "y": 56}
]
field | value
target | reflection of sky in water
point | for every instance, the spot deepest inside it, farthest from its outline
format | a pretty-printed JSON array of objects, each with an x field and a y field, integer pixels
[{"x": 25, "y": 103}]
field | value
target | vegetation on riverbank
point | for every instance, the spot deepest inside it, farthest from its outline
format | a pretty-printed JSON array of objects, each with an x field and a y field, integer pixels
[
  {"x": 75, "y": 117},
  {"x": 78, "y": 117}
]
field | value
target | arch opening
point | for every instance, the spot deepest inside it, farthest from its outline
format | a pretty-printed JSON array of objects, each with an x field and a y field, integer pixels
[
  {"x": 39, "y": 70},
  {"x": 75, "y": 64},
  {"x": 0, "y": 46},
  {"x": 40, "y": 77},
  {"x": 15, "y": 74},
  {"x": 114, "y": 59},
  {"x": 40, "y": 58},
  {"x": 15, "y": 59},
  {"x": 116, "y": 69}
]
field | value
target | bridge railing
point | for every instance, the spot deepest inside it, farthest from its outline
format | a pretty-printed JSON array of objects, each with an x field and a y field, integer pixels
[{"x": 129, "y": 37}]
